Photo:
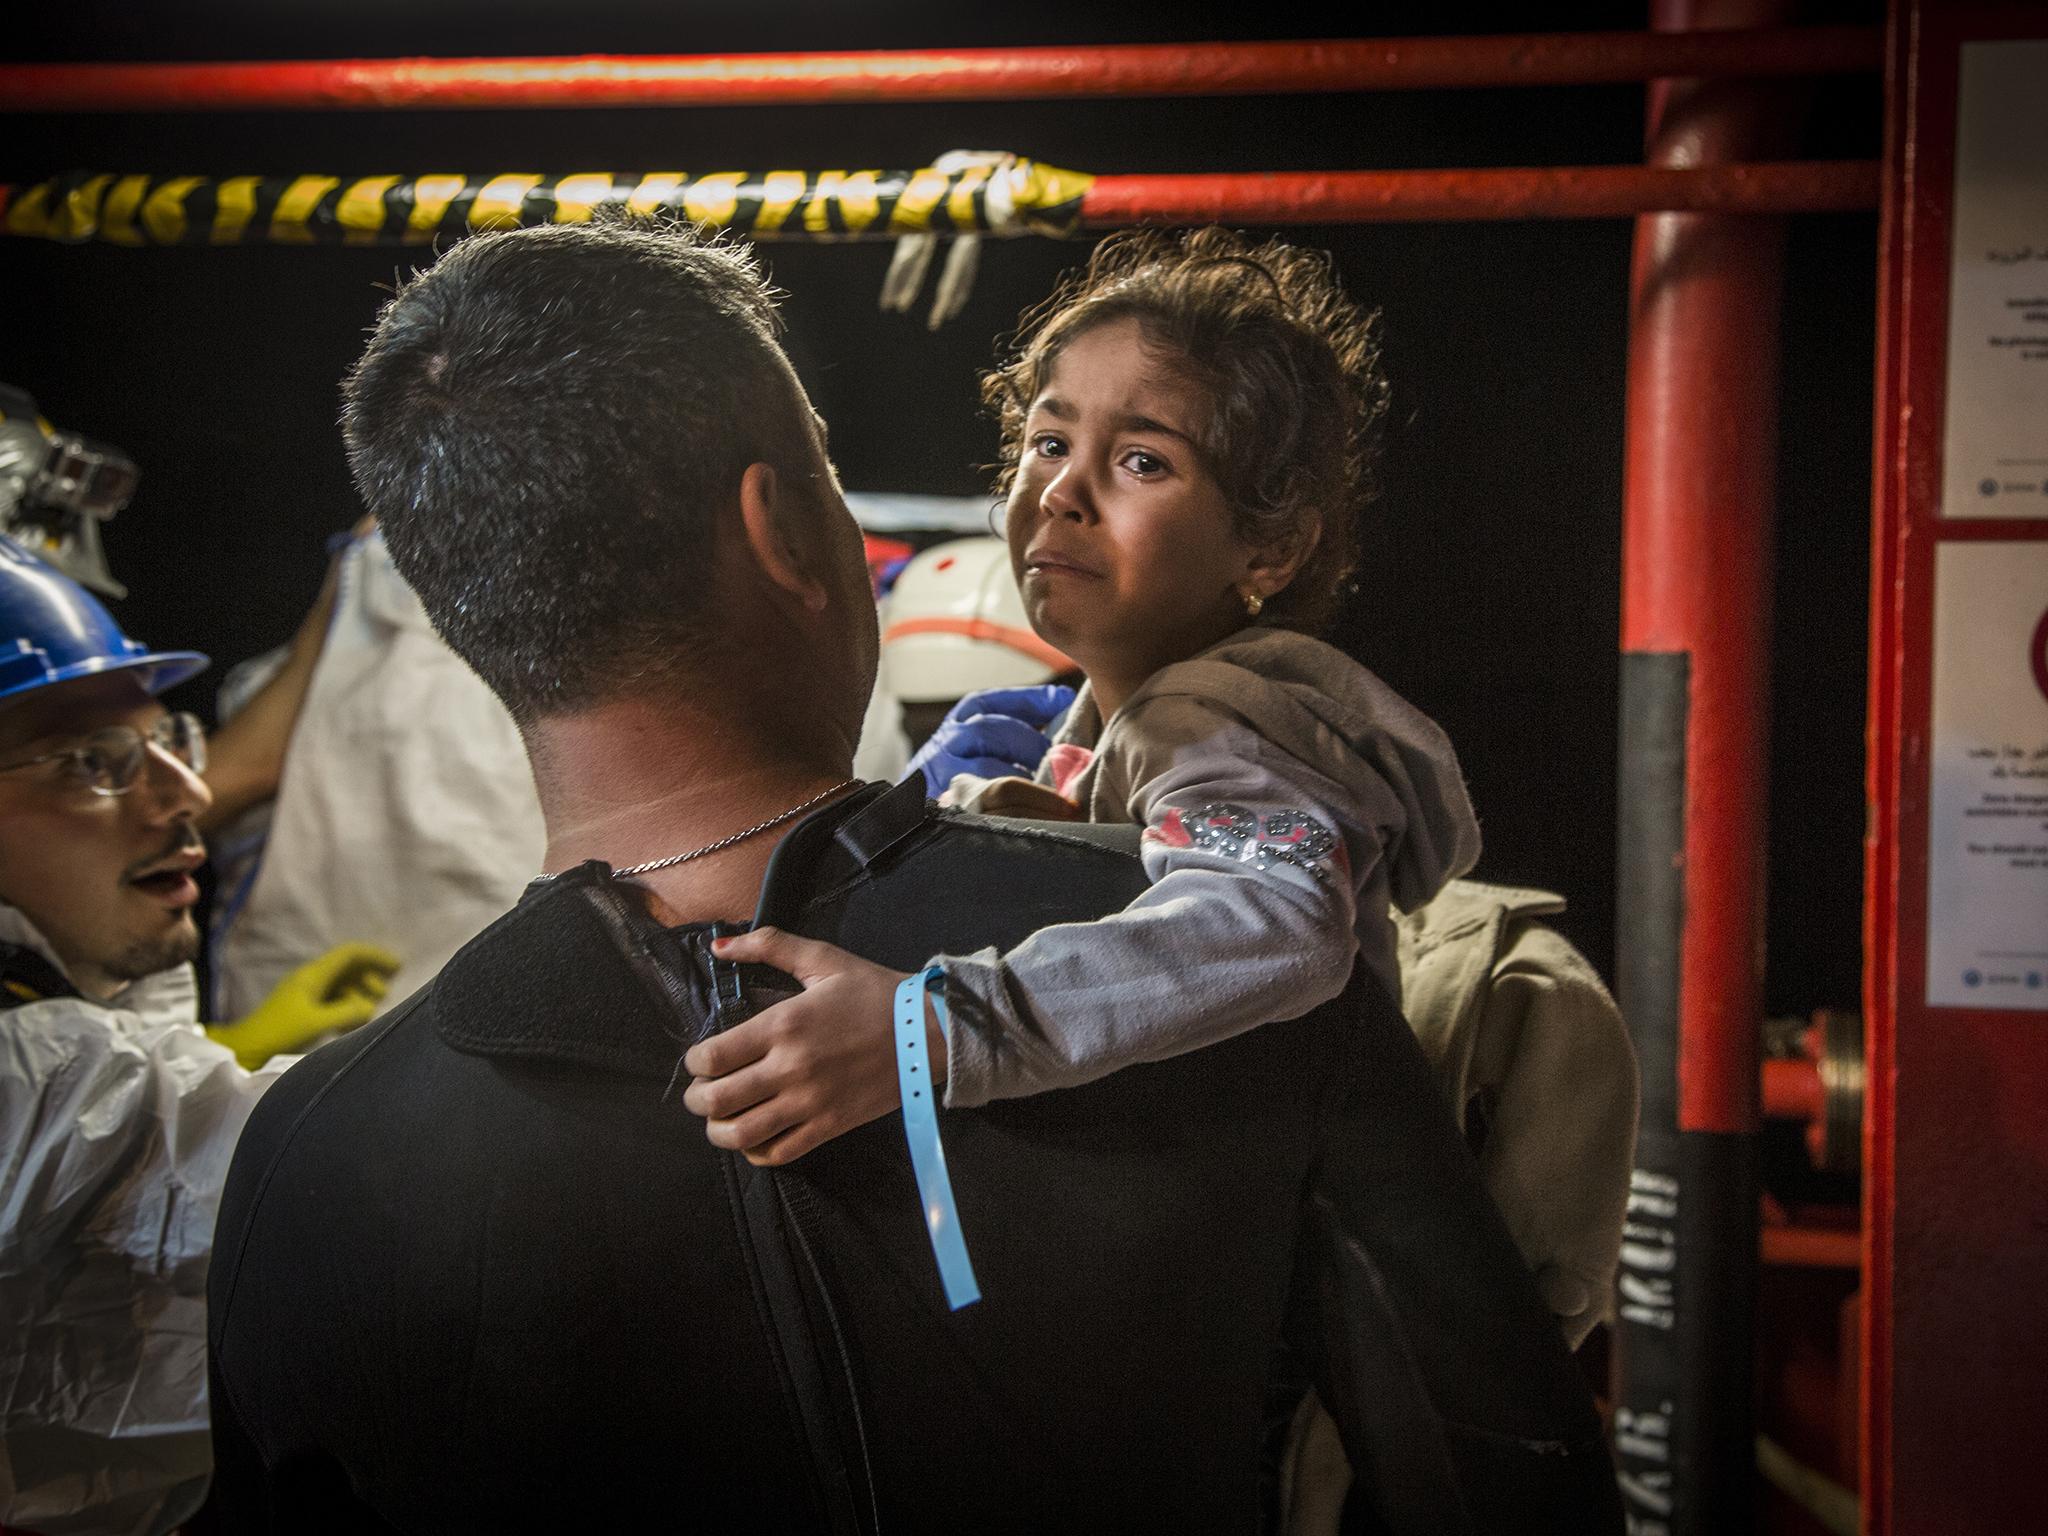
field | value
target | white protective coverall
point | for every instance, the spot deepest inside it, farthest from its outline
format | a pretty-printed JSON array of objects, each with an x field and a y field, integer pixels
[
  {"x": 406, "y": 815},
  {"x": 117, "y": 1121}
]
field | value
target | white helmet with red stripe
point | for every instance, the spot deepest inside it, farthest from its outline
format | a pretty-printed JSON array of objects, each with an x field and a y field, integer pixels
[{"x": 954, "y": 624}]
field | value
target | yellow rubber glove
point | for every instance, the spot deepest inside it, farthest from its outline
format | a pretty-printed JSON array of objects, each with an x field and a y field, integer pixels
[{"x": 336, "y": 992}]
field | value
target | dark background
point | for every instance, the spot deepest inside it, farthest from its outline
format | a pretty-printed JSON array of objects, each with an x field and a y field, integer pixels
[{"x": 1491, "y": 593}]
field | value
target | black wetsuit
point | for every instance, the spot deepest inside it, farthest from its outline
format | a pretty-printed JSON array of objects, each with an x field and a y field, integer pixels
[{"x": 478, "y": 1269}]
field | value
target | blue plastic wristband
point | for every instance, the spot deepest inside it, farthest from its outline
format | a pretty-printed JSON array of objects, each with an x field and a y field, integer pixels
[{"x": 921, "y": 1127}]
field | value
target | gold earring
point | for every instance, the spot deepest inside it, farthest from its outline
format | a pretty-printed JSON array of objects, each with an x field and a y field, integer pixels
[{"x": 1253, "y": 603}]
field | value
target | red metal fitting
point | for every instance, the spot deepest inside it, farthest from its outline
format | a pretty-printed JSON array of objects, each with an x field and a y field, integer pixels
[
  {"x": 1822, "y": 1087},
  {"x": 1811, "y": 1247},
  {"x": 1792, "y": 1091}
]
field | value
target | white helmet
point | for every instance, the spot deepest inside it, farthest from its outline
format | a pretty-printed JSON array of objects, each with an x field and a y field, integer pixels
[{"x": 954, "y": 624}]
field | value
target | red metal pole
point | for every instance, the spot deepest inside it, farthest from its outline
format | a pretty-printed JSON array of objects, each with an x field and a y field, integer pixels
[
  {"x": 1701, "y": 469},
  {"x": 1583, "y": 192},
  {"x": 970, "y": 74},
  {"x": 1696, "y": 569}
]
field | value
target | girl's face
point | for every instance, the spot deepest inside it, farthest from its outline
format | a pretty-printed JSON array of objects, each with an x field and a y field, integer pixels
[{"x": 1119, "y": 535}]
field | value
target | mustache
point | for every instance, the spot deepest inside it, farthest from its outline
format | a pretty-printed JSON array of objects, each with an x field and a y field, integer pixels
[{"x": 185, "y": 839}]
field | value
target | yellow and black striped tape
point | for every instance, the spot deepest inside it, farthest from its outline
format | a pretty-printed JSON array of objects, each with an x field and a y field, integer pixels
[{"x": 418, "y": 210}]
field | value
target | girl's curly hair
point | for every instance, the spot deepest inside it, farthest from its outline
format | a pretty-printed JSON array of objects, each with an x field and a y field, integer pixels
[{"x": 1289, "y": 364}]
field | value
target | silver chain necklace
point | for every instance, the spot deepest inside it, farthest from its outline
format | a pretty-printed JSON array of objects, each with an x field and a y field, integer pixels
[{"x": 726, "y": 842}]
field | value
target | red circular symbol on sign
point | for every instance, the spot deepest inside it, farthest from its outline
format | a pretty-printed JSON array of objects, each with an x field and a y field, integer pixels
[{"x": 2039, "y": 652}]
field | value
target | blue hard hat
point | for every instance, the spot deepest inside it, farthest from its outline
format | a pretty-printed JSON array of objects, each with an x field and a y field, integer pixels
[{"x": 52, "y": 630}]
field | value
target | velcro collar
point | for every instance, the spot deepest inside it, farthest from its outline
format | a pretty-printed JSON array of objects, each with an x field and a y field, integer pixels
[{"x": 579, "y": 972}]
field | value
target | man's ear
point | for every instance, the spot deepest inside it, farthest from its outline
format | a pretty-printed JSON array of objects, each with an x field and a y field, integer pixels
[{"x": 768, "y": 514}]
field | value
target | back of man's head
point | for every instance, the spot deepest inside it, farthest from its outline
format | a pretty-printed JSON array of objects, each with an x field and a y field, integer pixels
[{"x": 547, "y": 424}]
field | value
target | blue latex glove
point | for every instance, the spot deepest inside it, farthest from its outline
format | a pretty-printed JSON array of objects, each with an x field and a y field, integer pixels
[{"x": 992, "y": 734}]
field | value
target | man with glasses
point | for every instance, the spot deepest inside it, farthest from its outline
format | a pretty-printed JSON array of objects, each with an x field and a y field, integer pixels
[{"x": 117, "y": 1112}]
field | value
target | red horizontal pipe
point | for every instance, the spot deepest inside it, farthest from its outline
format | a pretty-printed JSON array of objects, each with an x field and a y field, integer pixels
[
  {"x": 1792, "y": 1091},
  {"x": 967, "y": 74},
  {"x": 1580, "y": 192},
  {"x": 1811, "y": 1247}
]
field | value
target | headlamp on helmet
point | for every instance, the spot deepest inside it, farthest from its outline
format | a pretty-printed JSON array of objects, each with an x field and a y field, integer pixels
[{"x": 56, "y": 488}]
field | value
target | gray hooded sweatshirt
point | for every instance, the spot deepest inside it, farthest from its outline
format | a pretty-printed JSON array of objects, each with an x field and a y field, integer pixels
[{"x": 1290, "y": 800}]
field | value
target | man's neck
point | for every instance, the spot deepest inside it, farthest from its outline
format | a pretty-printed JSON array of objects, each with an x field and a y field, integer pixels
[{"x": 633, "y": 780}]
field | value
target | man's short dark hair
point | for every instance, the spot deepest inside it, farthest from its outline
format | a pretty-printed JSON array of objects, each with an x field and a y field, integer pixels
[{"x": 546, "y": 423}]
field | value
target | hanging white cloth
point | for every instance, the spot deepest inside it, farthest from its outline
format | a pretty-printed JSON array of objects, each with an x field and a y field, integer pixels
[{"x": 406, "y": 816}]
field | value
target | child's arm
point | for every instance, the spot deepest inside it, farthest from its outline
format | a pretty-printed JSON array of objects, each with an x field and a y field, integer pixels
[
  {"x": 1220, "y": 943},
  {"x": 1256, "y": 859}
]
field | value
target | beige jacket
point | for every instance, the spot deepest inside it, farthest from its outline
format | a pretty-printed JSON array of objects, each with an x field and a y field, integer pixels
[{"x": 1541, "y": 1074}]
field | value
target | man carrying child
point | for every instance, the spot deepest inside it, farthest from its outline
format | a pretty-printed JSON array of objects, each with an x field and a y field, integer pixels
[{"x": 547, "y": 1301}]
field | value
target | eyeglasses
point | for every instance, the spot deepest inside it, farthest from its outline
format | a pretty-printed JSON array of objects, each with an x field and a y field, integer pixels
[{"x": 109, "y": 761}]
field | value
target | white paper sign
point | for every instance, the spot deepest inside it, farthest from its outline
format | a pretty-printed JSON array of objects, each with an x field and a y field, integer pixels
[
  {"x": 1995, "y": 440},
  {"x": 1987, "y": 814}
]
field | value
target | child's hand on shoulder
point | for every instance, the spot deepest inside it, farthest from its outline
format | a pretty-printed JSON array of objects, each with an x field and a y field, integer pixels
[{"x": 807, "y": 1069}]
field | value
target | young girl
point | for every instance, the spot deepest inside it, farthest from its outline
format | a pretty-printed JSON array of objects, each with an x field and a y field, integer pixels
[{"x": 1187, "y": 431}]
